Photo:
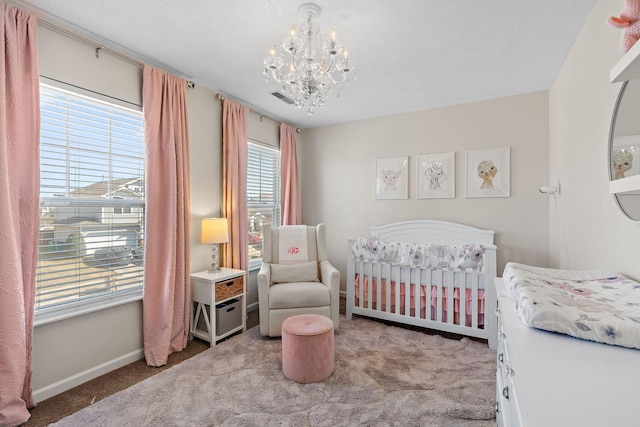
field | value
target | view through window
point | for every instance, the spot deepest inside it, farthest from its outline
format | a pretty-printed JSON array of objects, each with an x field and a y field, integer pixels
[
  {"x": 91, "y": 203},
  {"x": 263, "y": 195}
]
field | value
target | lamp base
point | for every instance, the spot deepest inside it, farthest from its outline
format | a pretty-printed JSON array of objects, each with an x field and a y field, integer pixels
[{"x": 215, "y": 262}]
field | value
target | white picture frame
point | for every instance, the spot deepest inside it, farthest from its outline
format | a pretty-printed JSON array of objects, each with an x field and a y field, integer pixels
[
  {"x": 488, "y": 172},
  {"x": 436, "y": 176},
  {"x": 391, "y": 178}
]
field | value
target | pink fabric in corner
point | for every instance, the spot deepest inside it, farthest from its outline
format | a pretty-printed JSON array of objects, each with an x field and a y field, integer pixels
[
  {"x": 234, "y": 152},
  {"x": 290, "y": 185},
  {"x": 167, "y": 290},
  {"x": 19, "y": 189}
]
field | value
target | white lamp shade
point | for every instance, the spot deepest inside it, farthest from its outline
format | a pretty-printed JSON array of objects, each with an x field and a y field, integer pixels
[{"x": 214, "y": 230}]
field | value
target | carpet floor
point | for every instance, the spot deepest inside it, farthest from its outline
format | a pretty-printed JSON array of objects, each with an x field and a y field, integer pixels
[{"x": 384, "y": 376}]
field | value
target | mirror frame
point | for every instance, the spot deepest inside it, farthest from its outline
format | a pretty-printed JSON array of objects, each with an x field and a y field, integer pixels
[{"x": 612, "y": 127}]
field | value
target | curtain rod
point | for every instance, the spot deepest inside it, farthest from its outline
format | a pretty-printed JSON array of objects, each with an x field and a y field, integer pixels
[
  {"x": 101, "y": 48},
  {"x": 221, "y": 97}
]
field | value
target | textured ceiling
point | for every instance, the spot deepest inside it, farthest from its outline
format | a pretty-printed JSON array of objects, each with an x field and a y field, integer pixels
[{"x": 411, "y": 54}]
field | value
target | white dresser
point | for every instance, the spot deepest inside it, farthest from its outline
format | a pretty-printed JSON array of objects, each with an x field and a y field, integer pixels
[{"x": 546, "y": 379}]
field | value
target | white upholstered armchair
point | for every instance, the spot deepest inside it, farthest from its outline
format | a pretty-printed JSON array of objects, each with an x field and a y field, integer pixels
[{"x": 288, "y": 286}]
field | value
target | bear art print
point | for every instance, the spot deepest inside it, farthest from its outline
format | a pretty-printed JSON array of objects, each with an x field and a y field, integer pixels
[{"x": 487, "y": 170}]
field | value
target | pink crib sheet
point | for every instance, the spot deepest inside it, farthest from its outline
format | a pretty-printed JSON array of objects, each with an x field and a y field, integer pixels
[{"x": 423, "y": 297}]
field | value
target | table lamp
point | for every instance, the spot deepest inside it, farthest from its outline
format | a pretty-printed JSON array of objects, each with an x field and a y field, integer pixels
[{"x": 214, "y": 230}]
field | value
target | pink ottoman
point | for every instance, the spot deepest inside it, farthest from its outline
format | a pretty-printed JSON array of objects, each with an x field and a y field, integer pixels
[{"x": 307, "y": 348}]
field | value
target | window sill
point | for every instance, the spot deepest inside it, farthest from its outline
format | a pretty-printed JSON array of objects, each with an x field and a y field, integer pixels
[
  {"x": 57, "y": 315},
  {"x": 254, "y": 266}
]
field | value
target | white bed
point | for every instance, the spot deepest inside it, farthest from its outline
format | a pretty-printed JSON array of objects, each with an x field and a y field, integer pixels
[{"x": 434, "y": 282}]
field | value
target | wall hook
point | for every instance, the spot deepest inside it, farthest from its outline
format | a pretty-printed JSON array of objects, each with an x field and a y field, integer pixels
[{"x": 549, "y": 190}]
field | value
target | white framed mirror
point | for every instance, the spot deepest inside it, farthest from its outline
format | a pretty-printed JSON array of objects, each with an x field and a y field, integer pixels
[{"x": 624, "y": 147}]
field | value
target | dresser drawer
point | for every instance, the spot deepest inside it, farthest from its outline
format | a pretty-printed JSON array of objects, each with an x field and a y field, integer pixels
[
  {"x": 229, "y": 288},
  {"x": 503, "y": 405}
]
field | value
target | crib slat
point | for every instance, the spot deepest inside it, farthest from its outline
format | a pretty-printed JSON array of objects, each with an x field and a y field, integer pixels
[
  {"x": 370, "y": 282},
  {"x": 406, "y": 272},
  {"x": 364, "y": 284},
  {"x": 440, "y": 285},
  {"x": 377, "y": 273},
  {"x": 387, "y": 290},
  {"x": 360, "y": 274},
  {"x": 462, "y": 287},
  {"x": 428, "y": 308},
  {"x": 351, "y": 275},
  {"x": 396, "y": 277},
  {"x": 450, "y": 296},
  {"x": 418, "y": 294},
  {"x": 475, "y": 313}
]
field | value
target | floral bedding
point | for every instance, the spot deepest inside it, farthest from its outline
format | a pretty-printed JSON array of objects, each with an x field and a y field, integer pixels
[
  {"x": 418, "y": 254},
  {"x": 592, "y": 305}
]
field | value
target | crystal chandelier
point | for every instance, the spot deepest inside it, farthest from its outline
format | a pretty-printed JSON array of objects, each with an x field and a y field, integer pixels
[{"x": 309, "y": 65}]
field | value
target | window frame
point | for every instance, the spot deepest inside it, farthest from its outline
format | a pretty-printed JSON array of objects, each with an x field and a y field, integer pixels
[
  {"x": 110, "y": 296},
  {"x": 255, "y": 263}
]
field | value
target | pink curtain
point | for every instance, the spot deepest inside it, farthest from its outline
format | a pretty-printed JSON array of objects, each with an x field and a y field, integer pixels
[
  {"x": 167, "y": 290},
  {"x": 234, "y": 147},
  {"x": 19, "y": 207},
  {"x": 290, "y": 185}
]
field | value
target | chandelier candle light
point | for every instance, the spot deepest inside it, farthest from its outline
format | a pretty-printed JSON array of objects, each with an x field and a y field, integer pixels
[
  {"x": 214, "y": 230},
  {"x": 310, "y": 65}
]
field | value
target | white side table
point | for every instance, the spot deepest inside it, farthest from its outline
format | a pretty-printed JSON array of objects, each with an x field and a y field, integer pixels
[{"x": 218, "y": 304}]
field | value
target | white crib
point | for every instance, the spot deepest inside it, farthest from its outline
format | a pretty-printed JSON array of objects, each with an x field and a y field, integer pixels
[{"x": 425, "y": 302}]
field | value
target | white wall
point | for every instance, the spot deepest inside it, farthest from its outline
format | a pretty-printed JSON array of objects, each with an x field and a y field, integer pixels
[
  {"x": 205, "y": 154},
  {"x": 337, "y": 164},
  {"x": 586, "y": 228}
]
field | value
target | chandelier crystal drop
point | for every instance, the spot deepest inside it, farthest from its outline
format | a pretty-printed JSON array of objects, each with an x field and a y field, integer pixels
[{"x": 307, "y": 64}]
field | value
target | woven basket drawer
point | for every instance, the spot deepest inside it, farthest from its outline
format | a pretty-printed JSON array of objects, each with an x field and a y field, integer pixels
[{"x": 229, "y": 288}]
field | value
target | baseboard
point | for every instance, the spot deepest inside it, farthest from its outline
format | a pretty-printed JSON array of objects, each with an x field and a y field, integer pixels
[
  {"x": 87, "y": 375},
  {"x": 252, "y": 307}
]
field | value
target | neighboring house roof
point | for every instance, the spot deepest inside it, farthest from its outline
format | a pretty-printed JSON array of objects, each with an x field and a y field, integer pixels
[
  {"x": 79, "y": 220},
  {"x": 126, "y": 188}
]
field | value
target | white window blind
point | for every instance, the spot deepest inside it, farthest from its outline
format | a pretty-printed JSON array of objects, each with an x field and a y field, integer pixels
[
  {"x": 91, "y": 224},
  {"x": 263, "y": 195}
]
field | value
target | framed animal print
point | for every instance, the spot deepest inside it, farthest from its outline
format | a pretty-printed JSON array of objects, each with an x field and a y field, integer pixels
[
  {"x": 488, "y": 173},
  {"x": 436, "y": 175},
  {"x": 392, "y": 178}
]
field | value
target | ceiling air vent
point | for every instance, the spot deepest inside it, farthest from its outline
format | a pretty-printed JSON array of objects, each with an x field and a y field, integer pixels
[{"x": 283, "y": 97}]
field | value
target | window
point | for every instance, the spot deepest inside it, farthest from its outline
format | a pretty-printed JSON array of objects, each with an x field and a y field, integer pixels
[
  {"x": 91, "y": 204},
  {"x": 122, "y": 211},
  {"x": 263, "y": 195}
]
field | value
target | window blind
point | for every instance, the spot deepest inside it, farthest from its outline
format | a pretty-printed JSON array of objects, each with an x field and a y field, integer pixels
[
  {"x": 91, "y": 240},
  {"x": 263, "y": 194}
]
